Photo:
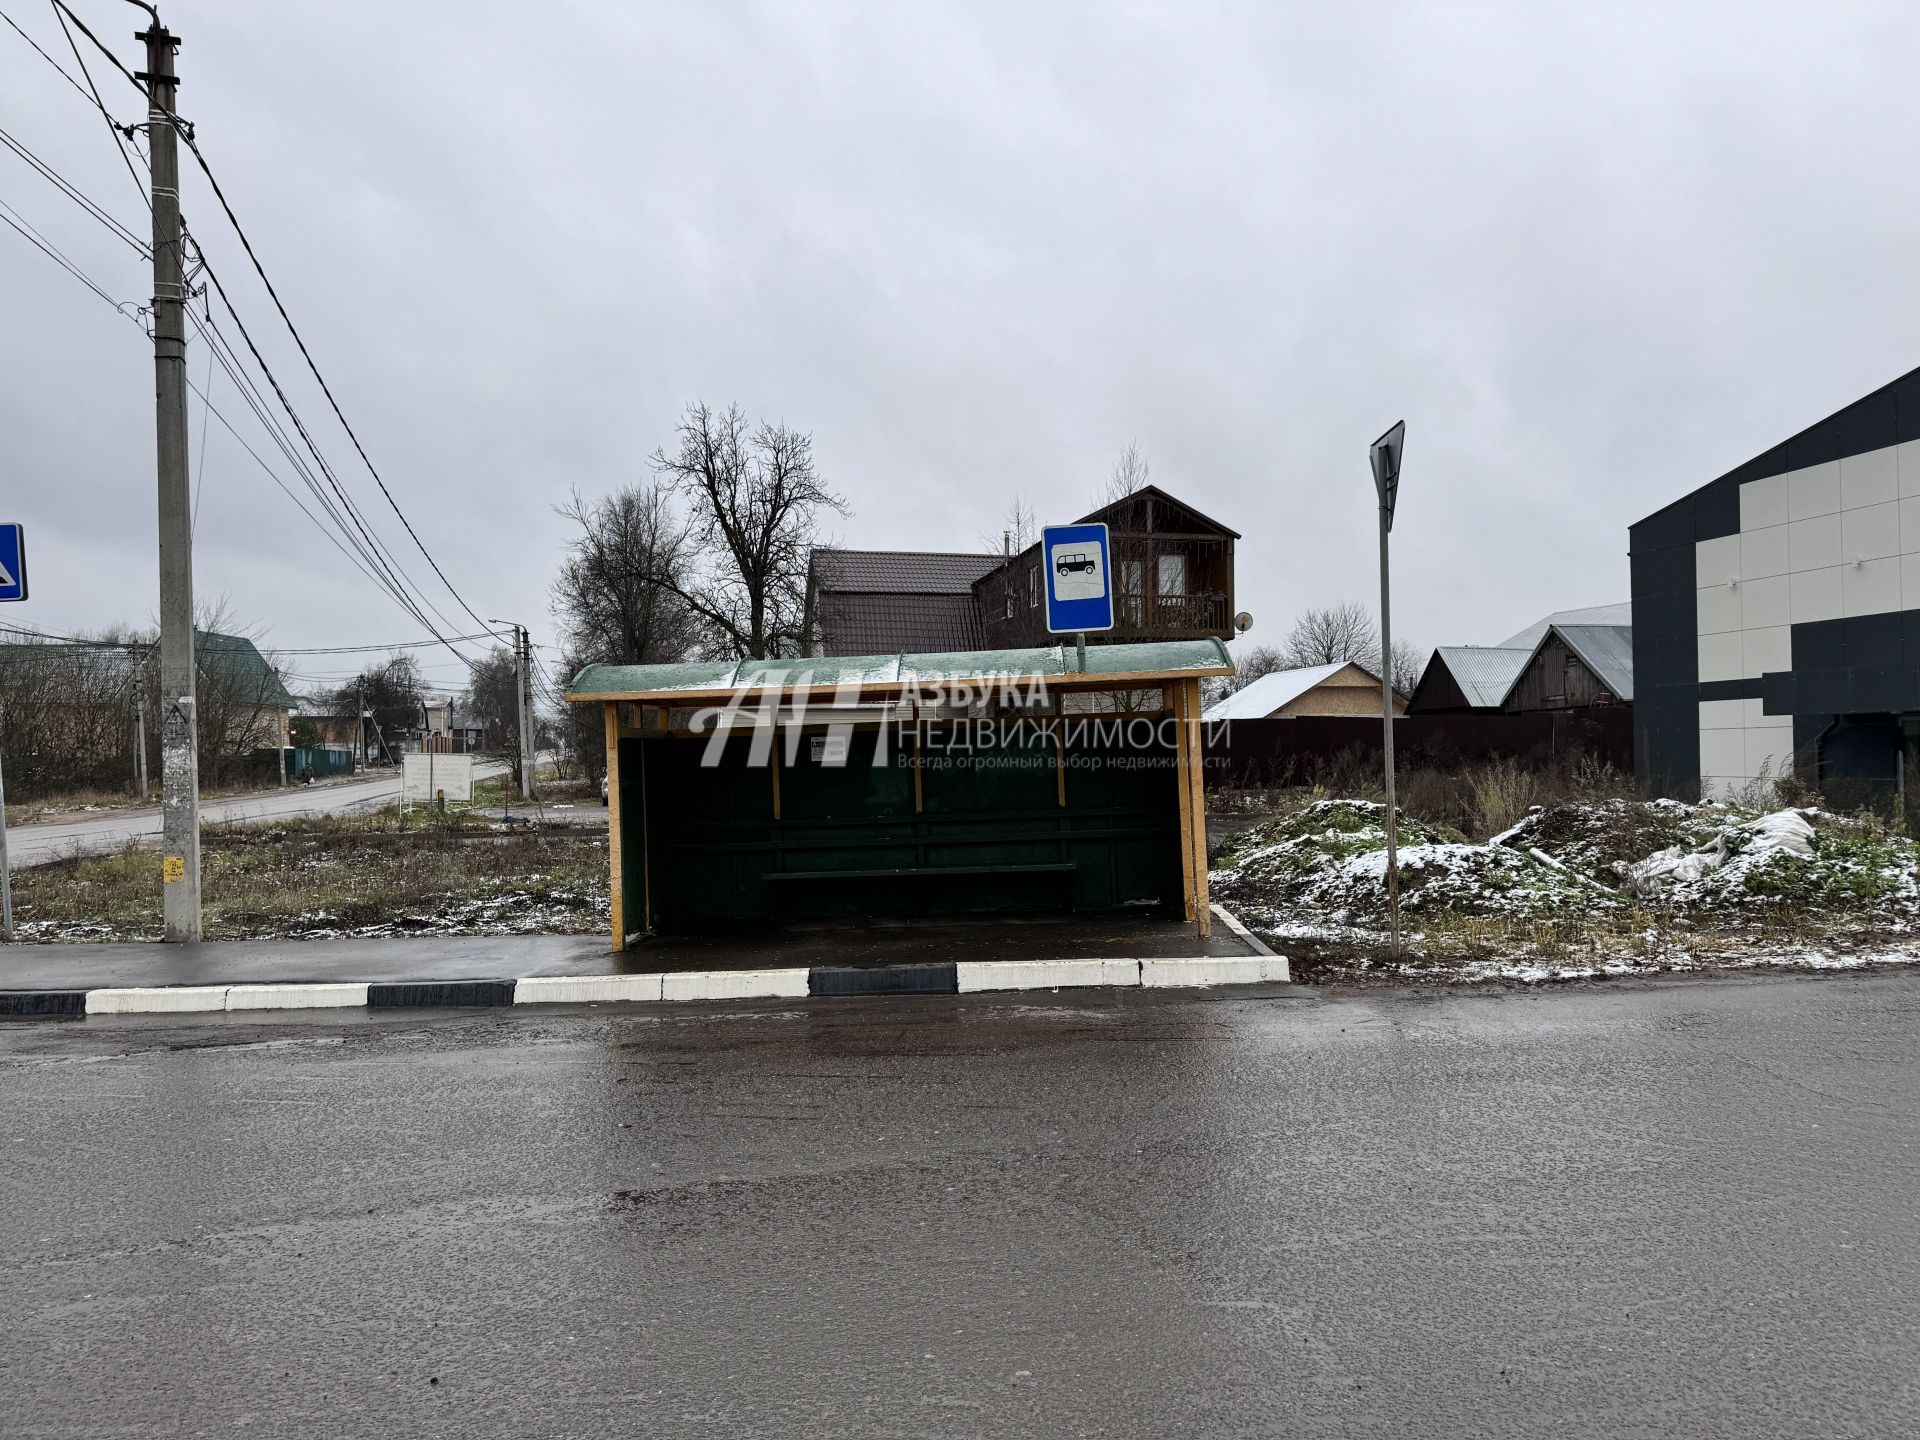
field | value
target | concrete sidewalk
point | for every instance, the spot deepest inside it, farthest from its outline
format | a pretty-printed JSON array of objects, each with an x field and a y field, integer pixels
[{"x": 917, "y": 958}]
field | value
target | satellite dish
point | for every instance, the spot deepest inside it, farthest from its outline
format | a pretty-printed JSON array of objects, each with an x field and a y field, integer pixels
[{"x": 1243, "y": 622}]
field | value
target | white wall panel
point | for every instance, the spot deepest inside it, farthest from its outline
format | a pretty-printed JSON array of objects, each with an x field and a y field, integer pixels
[
  {"x": 1718, "y": 609},
  {"x": 1815, "y": 543},
  {"x": 1870, "y": 533},
  {"x": 1763, "y": 503},
  {"x": 1871, "y": 587},
  {"x": 1723, "y": 752},
  {"x": 1768, "y": 649},
  {"x": 1813, "y": 491},
  {"x": 1869, "y": 479},
  {"x": 1816, "y": 595},
  {"x": 1721, "y": 656},
  {"x": 1765, "y": 552},
  {"x": 1764, "y": 602},
  {"x": 1716, "y": 561}
]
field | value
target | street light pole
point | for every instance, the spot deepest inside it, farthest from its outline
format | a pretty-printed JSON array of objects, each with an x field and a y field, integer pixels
[{"x": 1385, "y": 457}]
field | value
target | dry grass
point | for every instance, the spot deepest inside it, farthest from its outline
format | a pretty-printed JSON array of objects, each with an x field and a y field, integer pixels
[
  {"x": 1477, "y": 800},
  {"x": 381, "y": 874}
]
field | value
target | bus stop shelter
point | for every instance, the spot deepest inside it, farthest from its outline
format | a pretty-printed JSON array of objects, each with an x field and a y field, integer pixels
[{"x": 994, "y": 782}]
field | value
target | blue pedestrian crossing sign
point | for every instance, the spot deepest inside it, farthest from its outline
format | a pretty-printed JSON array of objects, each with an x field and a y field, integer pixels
[
  {"x": 1079, "y": 578},
  {"x": 13, "y": 562}
]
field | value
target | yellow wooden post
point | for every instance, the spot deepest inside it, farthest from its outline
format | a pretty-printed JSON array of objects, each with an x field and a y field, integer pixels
[
  {"x": 1197, "y": 791},
  {"x": 1183, "y": 799},
  {"x": 613, "y": 824}
]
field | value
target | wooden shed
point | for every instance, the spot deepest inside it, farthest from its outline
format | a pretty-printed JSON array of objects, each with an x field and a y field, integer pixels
[{"x": 997, "y": 781}]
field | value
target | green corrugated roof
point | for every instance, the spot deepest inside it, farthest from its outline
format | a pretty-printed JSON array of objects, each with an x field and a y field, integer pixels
[
  {"x": 1167, "y": 659},
  {"x": 238, "y": 661}
]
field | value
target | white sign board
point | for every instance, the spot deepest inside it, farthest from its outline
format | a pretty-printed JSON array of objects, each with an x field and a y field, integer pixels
[{"x": 423, "y": 777}]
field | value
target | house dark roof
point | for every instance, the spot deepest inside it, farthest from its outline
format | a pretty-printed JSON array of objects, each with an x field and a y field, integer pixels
[
  {"x": 918, "y": 601},
  {"x": 857, "y": 624},
  {"x": 1156, "y": 493},
  {"x": 899, "y": 572},
  {"x": 237, "y": 661}
]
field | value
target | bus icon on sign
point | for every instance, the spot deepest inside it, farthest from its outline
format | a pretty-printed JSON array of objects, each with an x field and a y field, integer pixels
[{"x": 1074, "y": 564}]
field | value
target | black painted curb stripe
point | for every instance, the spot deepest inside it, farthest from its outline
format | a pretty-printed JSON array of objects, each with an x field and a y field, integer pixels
[
  {"x": 43, "y": 1002},
  {"x": 936, "y": 978},
  {"x": 442, "y": 992}
]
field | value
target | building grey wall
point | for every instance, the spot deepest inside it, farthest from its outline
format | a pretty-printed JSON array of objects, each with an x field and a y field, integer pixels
[{"x": 1781, "y": 595}]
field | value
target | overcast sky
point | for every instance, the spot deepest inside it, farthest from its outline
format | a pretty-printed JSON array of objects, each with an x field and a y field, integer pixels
[{"x": 1594, "y": 255}]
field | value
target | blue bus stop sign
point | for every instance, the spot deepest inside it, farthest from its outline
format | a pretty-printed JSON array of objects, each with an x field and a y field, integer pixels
[
  {"x": 13, "y": 562},
  {"x": 1079, "y": 578}
]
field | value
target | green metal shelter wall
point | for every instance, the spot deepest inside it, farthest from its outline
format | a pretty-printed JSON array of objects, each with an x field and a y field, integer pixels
[{"x": 990, "y": 835}]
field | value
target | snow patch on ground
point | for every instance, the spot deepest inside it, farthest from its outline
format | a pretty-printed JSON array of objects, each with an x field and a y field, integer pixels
[{"x": 1613, "y": 888}]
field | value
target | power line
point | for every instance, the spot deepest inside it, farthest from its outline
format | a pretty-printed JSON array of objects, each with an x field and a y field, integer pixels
[
  {"x": 185, "y": 131},
  {"x": 380, "y": 558},
  {"x": 122, "y": 134},
  {"x": 53, "y": 253},
  {"x": 13, "y": 218},
  {"x": 73, "y": 192}
]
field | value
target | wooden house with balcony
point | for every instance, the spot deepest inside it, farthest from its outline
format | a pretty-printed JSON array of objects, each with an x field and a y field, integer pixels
[{"x": 1172, "y": 580}]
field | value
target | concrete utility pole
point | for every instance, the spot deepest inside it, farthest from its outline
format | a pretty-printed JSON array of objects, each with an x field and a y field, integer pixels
[
  {"x": 1385, "y": 457},
  {"x": 179, "y": 740},
  {"x": 525, "y": 697}
]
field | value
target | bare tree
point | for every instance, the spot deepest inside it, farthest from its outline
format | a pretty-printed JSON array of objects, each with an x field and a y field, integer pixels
[
  {"x": 1130, "y": 472},
  {"x": 1019, "y": 528},
  {"x": 1248, "y": 667},
  {"x": 1332, "y": 634},
  {"x": 620, "y": 593},
  {"x": 391, "y": 692},
  {"x": 1327, "y": 635},
  {"x": 1409, "y": 662},
  {"x": 754, "y": 501},
  {"x": 493, "y": 702}
]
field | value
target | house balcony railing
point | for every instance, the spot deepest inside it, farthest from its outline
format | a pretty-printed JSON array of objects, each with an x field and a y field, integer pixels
[{"x": 1171, "y": 614}]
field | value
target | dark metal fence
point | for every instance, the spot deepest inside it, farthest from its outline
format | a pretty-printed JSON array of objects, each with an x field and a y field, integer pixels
[{"x": 1291, "y": 751}]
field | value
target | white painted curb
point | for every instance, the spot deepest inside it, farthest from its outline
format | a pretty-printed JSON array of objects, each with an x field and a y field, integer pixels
[
  {"x": 1232, "y": 922},
  {"x": 321, "y": 996},
  {"x": 735, "y": 985},
  {"x": 979, "y": 975},
  {"x": 1219, "y": 970},
  {"x": 157, "y": 999},
  {"x": 585, "y": 989}
]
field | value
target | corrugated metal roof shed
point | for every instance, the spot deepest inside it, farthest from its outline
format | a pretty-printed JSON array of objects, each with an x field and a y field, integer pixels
[
  {"x": 1607, "y": 650},
  {"x": 1142, "y": 664},
  {"x": 1484, "y": 673}
]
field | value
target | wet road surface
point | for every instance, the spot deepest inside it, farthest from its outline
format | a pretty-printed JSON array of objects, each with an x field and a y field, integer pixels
[{"x": 1667, "y": 1209}]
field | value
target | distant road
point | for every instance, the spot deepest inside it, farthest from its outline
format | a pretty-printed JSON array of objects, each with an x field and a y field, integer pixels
[{"x": 109, "y": 830}]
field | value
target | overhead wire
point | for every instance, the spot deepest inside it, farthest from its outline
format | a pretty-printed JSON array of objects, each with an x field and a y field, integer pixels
[
  {"x": 14, "y": 218},
  {"x": 185, "y": 131},
  {"x": 92, "y": 92},
  {"x": 382, "y": 557},
  {"x": 79, "y": 197}
]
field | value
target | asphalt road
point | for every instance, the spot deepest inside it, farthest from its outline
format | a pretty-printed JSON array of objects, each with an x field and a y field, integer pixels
[
  {"x": 1675, "y": 1209},
  {"x": 111, "y": 829}
]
